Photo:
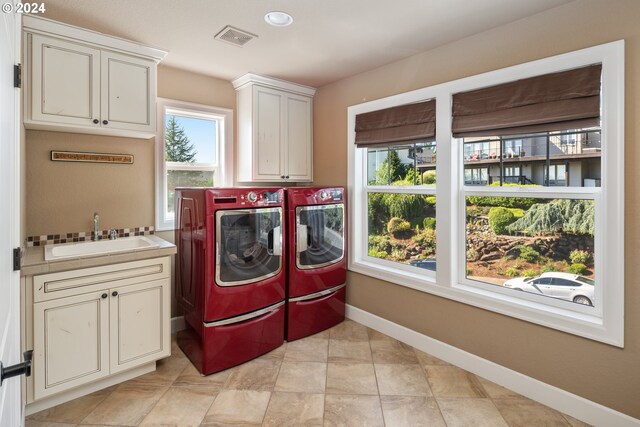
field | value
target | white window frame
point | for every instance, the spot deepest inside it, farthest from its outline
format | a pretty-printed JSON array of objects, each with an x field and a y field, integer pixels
[
  {"x": 605, "y": 321},
  {"x": 223, "y": 168}
]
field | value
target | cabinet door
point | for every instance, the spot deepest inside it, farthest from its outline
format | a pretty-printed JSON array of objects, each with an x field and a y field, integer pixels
[
  {"x": 65, "y": 82},
  {"x": 128, "y": 88},
  {"x": 299, "y": 148},
  {"x": 268, "y": 134},
  {"x": 140, "y": 324},
  {"x": 71, "y": 342}
]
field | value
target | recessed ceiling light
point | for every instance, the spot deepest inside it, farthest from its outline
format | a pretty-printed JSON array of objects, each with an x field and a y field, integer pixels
[{"x": 278, "y": 19}]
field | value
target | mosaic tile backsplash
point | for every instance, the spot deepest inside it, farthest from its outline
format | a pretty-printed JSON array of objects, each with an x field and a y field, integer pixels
[{"x": 51, "y": 239}]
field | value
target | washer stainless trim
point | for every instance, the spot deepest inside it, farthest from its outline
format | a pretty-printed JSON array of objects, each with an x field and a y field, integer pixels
[
  {"x": 318, "y": 294},
  {"x": 244, "y": 317},
  {"x": 299, "y": 209},
  {"x": 218, "y": 216}
]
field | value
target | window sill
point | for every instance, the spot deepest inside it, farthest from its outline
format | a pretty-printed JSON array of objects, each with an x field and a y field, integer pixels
[{"x": 580, "y": 323}]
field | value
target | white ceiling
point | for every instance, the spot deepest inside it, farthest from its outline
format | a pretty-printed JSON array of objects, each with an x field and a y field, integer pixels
[{"x": 328, "y": 40}]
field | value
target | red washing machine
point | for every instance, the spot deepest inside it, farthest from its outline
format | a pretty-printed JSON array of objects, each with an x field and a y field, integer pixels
[
  {"x": 230, "y": 274},
  {"x": 317, "y": 260}
]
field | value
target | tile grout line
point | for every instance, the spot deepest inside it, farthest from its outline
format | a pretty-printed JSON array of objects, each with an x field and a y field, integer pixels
[
  {"x": 424, "y": 370},
  {"x": 375, "y": 374},
  {"x": 273, "y": 389},
  {"x": 326, "y": 379}
]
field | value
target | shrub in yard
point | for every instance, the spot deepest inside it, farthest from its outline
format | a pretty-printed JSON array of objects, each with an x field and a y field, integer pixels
[
  {"x": 517, "y": 212},
  {"x": 529, "y": 273},
  {"x": 426, "y": 239},
  {"x": 431, "y": 200},
  {"x": 397, "y": 226},
  {"x": 508, "y": 202},
  {"x": 548, "y": 268},
  {"x": 574, "y": 216},
  {"x": 377, "y": 254},
  {"x": 429, "y": 223},
  {"x": 429, "y": 178},
  {"x": 529, "y": 254},
  {"x": 577, "y": 268},
  {"x": 499, "y": 219},
  {"x": 380, "y": 243},
  {"x": 579, "y": 257},
  {"x": 410, "y": 207},
  {"x": 512, "y": 272},
  {"x": 473, "y": 255},
  {"x": 398, "y": 254},
  {"x": 469, "y": 272},
  {"x": 562, "y": 265}
]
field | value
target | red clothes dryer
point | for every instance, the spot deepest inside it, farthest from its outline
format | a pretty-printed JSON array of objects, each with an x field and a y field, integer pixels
[
  {"x": 230, "y": 274},
  {"x": 316, "y": 235}
]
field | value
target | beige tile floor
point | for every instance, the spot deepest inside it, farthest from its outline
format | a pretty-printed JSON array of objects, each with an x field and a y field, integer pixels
[{"x": 346, "y": 376}]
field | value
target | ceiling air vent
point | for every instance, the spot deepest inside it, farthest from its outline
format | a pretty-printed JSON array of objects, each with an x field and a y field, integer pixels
[{"x": 234, "y": 36}]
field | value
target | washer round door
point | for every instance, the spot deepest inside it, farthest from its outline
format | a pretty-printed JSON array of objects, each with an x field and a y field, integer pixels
[
  {"x": 248, "y": 245},
  {"x": 319, "y": 235}
]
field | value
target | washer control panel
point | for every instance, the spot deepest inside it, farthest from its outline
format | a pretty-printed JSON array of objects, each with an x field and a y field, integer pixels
[{"x": 260, "y": 197}]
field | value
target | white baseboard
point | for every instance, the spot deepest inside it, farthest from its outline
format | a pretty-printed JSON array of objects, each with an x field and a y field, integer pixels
[
  {"x": 554, "y": 397},
  {"x": 177, "y": 324}
]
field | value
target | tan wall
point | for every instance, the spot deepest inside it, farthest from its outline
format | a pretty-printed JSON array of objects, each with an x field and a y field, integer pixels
[
  {"x": 61, "y": 197},
  {"x": 602, "y": 373}
]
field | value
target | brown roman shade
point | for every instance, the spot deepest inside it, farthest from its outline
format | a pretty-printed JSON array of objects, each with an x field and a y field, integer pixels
[
  {"x": 397, "y": 125},
  {"x": 556, "y": 101}
]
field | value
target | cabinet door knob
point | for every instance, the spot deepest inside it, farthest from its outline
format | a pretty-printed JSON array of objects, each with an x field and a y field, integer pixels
[
  {"x": 96, "y": 121},
  {"x": 282, "y": 176},
  {"x": 114, "y": 293},
  {"x": 104, "y": 296},
  {"x": 105, "y": 122},
  {"x": 287, "y": 177}
]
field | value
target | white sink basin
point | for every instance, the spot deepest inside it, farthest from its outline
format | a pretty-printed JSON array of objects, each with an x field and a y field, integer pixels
[{"x": 102, "y": 247}]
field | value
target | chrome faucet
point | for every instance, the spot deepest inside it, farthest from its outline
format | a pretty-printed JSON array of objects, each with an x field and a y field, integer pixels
[{"x": 96, "y": 226}]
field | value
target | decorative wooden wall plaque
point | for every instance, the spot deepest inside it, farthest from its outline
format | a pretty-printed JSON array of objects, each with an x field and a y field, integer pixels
[{"x": 74, "y": 156}]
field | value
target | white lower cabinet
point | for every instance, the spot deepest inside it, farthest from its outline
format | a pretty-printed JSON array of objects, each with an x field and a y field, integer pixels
[
  {"x": 71, "y": 342},
  {"x": 110, "y": 326},
  {"x": 138, "y": 314}
]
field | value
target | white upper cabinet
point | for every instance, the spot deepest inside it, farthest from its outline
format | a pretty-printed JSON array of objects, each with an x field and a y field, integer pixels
[
  {"x": 64, "y": 89},
  {"x": 275, "y": 130},
  {"x": 85, "y": 82}
]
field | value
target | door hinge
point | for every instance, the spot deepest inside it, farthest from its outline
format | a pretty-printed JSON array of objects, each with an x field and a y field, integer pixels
[
  {"x": 17, "y": 75},
  {"x": 17, "y": 259},
  {"x": 23, "y": 368}
]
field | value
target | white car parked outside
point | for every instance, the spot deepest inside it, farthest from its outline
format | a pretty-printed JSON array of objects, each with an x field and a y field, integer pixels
[{"x": 567, "y": 286}]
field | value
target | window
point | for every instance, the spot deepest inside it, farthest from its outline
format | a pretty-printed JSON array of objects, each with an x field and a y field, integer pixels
[
  {"x": 476, "y": 176},
  {"x": 532, "y": 194},
  {"x": 557, "y": 175},
  {"x": 191, "y": 152},
  {"x": 400, "y": 185}
]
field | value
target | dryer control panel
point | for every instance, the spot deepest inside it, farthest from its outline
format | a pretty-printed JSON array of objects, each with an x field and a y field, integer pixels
[{"x": 329, "y": 195}]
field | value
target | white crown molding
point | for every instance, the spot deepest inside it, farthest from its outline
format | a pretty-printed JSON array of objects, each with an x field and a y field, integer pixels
[
  {"x": 36, "y": 24},
  {"x": 251, "y": 79}
]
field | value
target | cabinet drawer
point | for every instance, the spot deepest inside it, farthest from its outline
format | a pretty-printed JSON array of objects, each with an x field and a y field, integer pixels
[{"x": 67, "y": 283}]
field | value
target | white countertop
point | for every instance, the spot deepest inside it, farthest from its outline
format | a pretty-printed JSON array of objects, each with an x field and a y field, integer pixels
[{"x": 33, "y": 261}]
